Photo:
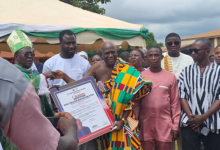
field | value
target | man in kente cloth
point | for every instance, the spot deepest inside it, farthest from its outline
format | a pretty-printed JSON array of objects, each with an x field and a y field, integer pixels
[
  {"x": 122, "y": 85},
  {"x": 22, "y": 48}
]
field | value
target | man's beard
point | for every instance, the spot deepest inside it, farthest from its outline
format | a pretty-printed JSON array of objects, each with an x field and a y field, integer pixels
[{"x": 68, "y": 54}]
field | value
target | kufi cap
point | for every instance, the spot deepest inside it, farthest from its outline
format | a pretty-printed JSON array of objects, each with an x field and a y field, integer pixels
[{"x": 83, "y": 53}]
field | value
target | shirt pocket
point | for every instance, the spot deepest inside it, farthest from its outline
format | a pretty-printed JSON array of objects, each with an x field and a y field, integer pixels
[
  {"x": 162, "y": 86},
  {"x": 164, "y": 91}
]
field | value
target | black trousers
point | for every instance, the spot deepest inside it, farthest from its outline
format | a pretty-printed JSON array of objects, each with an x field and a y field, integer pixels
[{"x": 191, "y": 140}]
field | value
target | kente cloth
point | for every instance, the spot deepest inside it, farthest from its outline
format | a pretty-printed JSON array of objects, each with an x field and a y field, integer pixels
[
  {"x": 125, "y": 83},
  {"x": 18, "y": 40},
  {"x": 100, "y": 85},
  {"x": 35, "y": 80}
]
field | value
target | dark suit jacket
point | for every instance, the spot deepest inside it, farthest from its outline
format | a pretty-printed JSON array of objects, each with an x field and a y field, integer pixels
[
  {"x": 39, "y": 66},
  {"x": 83, "y": 132}
]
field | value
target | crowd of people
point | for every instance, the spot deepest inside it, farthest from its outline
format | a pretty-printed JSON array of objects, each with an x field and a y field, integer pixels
[{"x": 173, "y": 96}]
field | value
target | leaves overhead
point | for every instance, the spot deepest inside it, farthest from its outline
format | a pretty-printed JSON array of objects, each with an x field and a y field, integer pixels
[
  {"x": 150, "y": 41},
  {"x": 90, "y": 5}
]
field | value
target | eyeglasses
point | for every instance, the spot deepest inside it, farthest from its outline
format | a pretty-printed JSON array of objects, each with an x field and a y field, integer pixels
[
  {"x": 27, "y": 54},
  {"x": 175, "y": 43},
  {"x": 196, "y": 50}
]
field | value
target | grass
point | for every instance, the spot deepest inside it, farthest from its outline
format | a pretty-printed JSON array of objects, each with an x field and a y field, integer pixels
[{"x": 6, "y": 144}]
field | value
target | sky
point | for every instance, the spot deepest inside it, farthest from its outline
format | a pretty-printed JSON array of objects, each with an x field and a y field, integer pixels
[{"x": 184, "y": 17}]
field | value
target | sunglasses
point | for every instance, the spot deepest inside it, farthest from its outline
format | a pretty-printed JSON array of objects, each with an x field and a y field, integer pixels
[
  {"x": 196, "y": 50},
  {"x": 175, "y": 43},
  {"x": 27, "y": 54}
]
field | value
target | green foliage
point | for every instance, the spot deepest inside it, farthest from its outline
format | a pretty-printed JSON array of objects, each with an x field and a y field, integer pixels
[
  {"x": 150, "y": 41},
  {"x": 119, "y": 51},
  {"x": 6, "y": 144},
  {"x": 90, "y": 5}
]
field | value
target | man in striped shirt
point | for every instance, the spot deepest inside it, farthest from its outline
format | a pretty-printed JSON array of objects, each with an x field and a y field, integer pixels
[{"x": 199, "y": 87}]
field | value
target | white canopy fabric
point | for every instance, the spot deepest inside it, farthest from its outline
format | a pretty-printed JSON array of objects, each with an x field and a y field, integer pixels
[
  {"x": 55, "y": 12},
  {"x": 39, "y": 16}
]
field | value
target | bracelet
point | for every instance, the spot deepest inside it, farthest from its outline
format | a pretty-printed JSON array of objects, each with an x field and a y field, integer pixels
[{"x": 123, "y": 119}]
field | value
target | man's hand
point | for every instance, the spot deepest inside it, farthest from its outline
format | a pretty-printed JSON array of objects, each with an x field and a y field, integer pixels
[
  {"x": 67, "y": 125},
  {"x": 118, "y": 125},
  {"x": 174, "y": 134},
  {"x": 55, "y": 108},
  {"x": 66, "y": 122},
  {"x": 195, "y": 128},
  {"x": 59, "y": 74},
  {"x": 50, "y": 74},
  {"x": 196, "y": 119}
]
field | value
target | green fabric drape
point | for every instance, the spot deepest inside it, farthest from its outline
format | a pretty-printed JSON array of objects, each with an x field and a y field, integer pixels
[
  {"x": 111, "y": 33},
  {"x": 31, "y": 77}
]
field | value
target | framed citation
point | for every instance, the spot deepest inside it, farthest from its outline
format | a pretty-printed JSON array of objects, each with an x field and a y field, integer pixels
[{"x": 84, "y": 101}]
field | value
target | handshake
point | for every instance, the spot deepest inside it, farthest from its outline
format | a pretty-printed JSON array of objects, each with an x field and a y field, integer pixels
[{"x": 57, "y": 74}]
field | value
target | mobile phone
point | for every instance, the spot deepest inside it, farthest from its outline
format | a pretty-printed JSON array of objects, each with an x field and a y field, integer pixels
[
  {"x": 54, "y": 121},
  {"x": 205, "y": 131}
]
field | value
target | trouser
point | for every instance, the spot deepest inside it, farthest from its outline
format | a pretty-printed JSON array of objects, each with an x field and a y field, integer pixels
[
  {"x": 179, "y": 142},
  {"x": 91, "y": 145},
  {"x": 191, "y": 140},
  {"x": 150, "y": 145}
]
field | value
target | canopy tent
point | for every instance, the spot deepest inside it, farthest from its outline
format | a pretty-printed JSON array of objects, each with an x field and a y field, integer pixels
[{"x": 42, "y": 20}]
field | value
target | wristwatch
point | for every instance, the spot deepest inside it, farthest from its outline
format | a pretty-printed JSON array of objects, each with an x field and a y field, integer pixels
[{"x": 125, "y": 121}]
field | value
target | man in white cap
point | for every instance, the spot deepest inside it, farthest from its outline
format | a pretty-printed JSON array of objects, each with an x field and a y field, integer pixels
[{"x": 83, "y": 54}]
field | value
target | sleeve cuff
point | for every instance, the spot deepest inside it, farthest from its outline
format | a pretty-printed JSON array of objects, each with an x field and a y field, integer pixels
[
  {"x": 43, "y": 89},
  {"x": 176, "y": 128}
]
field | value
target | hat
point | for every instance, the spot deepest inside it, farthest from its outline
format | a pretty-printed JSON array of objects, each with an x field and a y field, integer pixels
[
  {"x": 18, "y": 40},
  {"x": 83, "y": 53}
]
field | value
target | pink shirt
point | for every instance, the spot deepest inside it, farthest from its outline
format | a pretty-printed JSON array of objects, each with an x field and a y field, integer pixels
[
  {"x": 27, "y": 128},
  {"x": 155, "y": 109}
]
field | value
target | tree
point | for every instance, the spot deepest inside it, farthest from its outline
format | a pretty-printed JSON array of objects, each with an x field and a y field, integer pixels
[
  {"x": 150, "y": 41},
  {"x": 90, "y": 5}
]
